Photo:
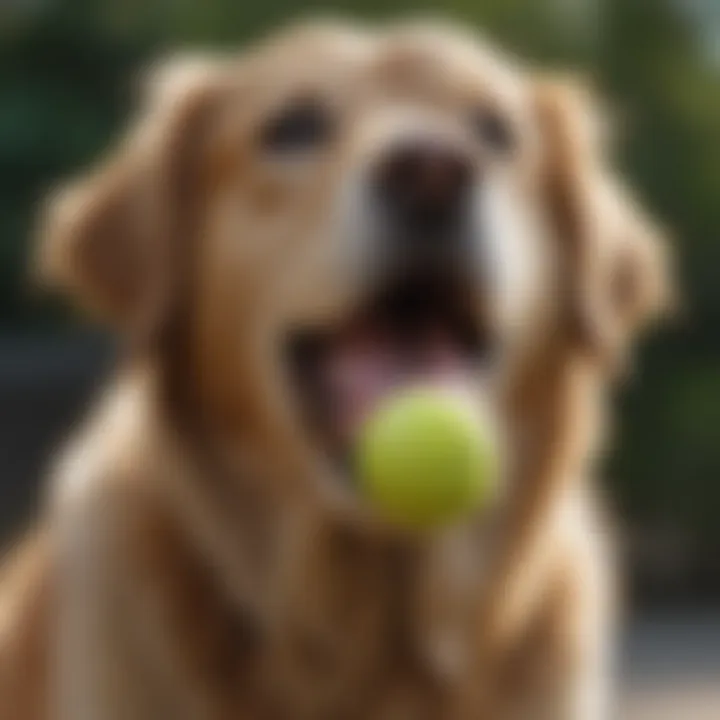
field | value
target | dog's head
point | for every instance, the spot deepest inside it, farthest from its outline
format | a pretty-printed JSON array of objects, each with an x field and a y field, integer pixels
[{"x": 337, "y": 212}]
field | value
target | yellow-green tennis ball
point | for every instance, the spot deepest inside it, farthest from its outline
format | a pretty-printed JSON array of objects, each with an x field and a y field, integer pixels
[{"x": 426, "y": 457}]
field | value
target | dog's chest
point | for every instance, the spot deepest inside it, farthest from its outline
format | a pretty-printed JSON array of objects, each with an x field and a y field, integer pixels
[
  {"x": 351, "y": 628},
  {"x": 363, "y": 630}
]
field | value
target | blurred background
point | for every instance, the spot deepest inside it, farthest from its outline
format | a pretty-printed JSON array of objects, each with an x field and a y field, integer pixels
[{"x": 68, "y": 71}]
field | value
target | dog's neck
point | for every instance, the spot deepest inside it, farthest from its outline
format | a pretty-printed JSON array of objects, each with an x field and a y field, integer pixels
[
  {"x": 305, "y": 574},
  {"x": 305, "y": 578}
]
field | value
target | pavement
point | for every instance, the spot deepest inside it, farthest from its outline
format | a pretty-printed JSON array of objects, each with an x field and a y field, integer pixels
[{"x": 671, "y": 667}]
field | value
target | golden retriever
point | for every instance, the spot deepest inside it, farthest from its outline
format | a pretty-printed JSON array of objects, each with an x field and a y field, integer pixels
[{"x": 281, "y": 237}]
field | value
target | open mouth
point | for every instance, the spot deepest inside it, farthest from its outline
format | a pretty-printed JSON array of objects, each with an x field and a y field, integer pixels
[{"x": 417, "y": 329}]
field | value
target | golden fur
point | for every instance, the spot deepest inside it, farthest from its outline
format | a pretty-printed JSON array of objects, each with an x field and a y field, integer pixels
[{"x": 194, "y": 563}]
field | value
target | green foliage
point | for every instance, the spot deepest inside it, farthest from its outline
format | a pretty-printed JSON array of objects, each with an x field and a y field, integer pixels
[{"x": 66, "y": 79}]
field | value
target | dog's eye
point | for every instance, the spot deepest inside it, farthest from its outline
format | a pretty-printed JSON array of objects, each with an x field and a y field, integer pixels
[
  {"x": 494, "y": 129},
  {"x": 304, "y": 125}
]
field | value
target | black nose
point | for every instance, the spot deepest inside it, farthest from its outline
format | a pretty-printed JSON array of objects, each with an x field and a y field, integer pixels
[{"x": 423, "y": 185}]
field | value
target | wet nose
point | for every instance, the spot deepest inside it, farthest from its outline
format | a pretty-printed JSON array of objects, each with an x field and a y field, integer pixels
[{"x": 423, "y": 185}]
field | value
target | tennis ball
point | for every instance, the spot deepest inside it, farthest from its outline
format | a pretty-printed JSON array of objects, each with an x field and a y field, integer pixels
[{"x": 425, "y": 457}]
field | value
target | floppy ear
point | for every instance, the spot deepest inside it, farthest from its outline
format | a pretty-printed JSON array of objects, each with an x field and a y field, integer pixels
[
  {"x": 616, "y": 270},
  {"x": 110, "y": 237}
]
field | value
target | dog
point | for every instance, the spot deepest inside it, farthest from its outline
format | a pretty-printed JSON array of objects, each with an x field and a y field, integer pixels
[{"x": 282, "y": 237}]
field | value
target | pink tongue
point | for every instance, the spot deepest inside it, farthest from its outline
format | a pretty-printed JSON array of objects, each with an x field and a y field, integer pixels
[{"x": 364, "y": 369}]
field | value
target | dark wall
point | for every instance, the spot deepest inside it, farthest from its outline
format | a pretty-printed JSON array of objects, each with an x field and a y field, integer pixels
[{"x": 46, "y": 386}]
